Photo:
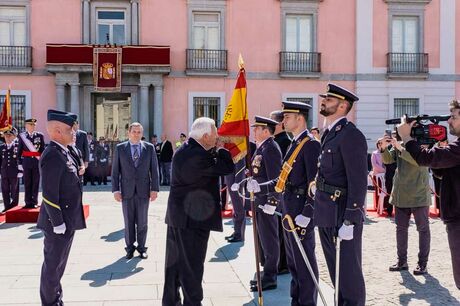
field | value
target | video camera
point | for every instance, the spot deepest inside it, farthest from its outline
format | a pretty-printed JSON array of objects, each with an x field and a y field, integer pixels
[{"x": 427, "y": 130}]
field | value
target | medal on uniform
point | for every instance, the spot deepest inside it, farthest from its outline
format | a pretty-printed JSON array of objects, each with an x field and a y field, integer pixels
[{"x": 255, "y": 170}]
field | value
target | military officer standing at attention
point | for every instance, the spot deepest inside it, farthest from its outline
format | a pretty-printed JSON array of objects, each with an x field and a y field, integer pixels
[
  {"x": 61, "y": 212},
  {"x": 341, "y": 188},
  {"x": 266, "y": 166},
  {"x": 31, "y": 146},
  {"x": 9, "y": 169}
]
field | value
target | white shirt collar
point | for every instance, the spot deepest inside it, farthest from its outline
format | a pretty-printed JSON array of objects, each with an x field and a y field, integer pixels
[
  {"x": 63, "y": 147},
  {"x": 298, "y": 136},
  {"x": 259, "y": 144},
  {"x": 330, "y": 126}
]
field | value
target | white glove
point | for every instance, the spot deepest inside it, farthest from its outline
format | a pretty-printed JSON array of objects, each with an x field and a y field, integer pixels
[
  {"x": 20, "y": 174},
  {"x": 302, "y": 221},
  {"x": 346, "y": 232},
  {"x": 269, "y": 209},
  {"x": 60, "y": 229},
  {"x": 20, "y": 167},
  {"x": 234, "y": 187},
  {"x": 252, "y": 186}
]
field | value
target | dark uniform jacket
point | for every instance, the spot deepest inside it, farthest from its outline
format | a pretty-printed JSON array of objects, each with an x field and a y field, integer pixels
[
  {"x": 102, "y": 154},
  {"x": 297, "y": 200},
  {"x": 194, "y": 200},
  {"x": 445, "y": 163},
  {"x": 82, "y": 144},
  {"x": 62, "y": 193},
  {"x": 266, "y": 166},
  {"x": 9, "y": 160},
  {"x": 283, "y": 140},
  {"x": 131, "y": 180},
  {"x": 37, "y": 141},
  {"x": 166, "y": 152},
  {"x": 343, "y": 164}
]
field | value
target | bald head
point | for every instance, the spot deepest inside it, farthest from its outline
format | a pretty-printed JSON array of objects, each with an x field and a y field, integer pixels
[{"x": 60, "y": 132}]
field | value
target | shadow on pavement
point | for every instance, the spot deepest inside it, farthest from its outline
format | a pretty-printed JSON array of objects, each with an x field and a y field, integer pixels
[
  {"x": 102, "y": 276},
  {"x": 114, "y": 236},
  {"x": 436, "y": 295},
  {"x": 227, "y": 252}
]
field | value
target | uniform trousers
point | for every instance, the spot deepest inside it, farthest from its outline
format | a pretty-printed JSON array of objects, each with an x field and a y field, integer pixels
[
  {"x": 453, "y": 235},
  {"x": 56, "y": 252},
  {"x": 402, "y": 218},
  {"x": 303, "y": 290},
  {"x": 31, "y": 183},
  {"x": 10, "y": 192},
  {"x": 135, "y": 215},
  {"x": 352, "y": 289},
  {"x": 184, "y": 267},
  {"x": 239, "y": 213},
  {"x": 267, "y": 228}
]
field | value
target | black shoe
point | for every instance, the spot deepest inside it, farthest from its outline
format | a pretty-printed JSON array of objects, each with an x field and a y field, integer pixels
[
  {"x": 234, "y": 239},
  {"x": 399, "y": 267},
  {"x": 420, "y": 270},
  {"x": 266, "y": 285},
  {"x": 143, "y": 255},
  {"x": 129, "y": 255}
]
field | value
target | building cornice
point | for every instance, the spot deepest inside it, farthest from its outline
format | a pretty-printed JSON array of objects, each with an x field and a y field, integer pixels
[{"x": 424, "y": 2}]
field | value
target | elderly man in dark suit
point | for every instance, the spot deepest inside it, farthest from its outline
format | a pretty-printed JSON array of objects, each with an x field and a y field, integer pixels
[
  {"x": 134, "y": 182},
  {"x": 61, "y": 212},
  {"x": 193, "y": 211}
]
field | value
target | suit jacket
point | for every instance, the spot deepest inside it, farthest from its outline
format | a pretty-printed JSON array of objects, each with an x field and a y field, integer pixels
[
  {"x": 9, "y": 160},
  {"x": 82, "y": 144},
  {"x": 131, "y": 180},
  {"x": 166, "y": 152},
  {"x": 445, "y": 163},
  {"x": 62, "y": 193},
  {"x": 194, "y": 200},
  {"x": 283, "y": 140},
  {"x": 343, "y": 163},
  {"x": 38, "y": 142}
]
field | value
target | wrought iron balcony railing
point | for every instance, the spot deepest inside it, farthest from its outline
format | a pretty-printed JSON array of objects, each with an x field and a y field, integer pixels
[
  {"x": 407, "y": 63},
  {"x": 15, "y": 57},
  {"x": 300, "y": 62},
  {"x": 206, "y": 60}
]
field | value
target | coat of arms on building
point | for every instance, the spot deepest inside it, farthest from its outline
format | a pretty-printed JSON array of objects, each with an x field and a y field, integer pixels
[{"x": 107, "y": 69}]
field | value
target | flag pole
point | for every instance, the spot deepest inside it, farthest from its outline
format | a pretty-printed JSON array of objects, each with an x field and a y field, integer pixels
[{"x": 251, "y": 196}]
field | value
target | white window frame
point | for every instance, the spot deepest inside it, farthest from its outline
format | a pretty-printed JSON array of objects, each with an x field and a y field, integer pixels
[
  {"x": 111, "y": 23},
  {"x": 99, "y": 5},
  {"x": 300, "y": 8},
  {"x": 314, "y": 104},
  {"x": 27, "y": 94},
  {"x": 393, "y": 96},
  {"x": 199, "y": 6},
  {"x": 19, "y": 4},
  {"x": 205, "y": 94},
  {"x": 417, "y": 34},
  {"x": 311, "y": 38},
  {"x": 407, "y": 10},
  {"x": 206, "y": 25}
]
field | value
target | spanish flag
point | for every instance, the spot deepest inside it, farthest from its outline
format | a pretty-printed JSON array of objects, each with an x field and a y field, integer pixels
[
  {"x": 6, "y": 121},
  {"x": 234, "y": 129}
]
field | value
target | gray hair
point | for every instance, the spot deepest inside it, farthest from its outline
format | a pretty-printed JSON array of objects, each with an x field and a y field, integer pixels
[
  {"x": 135, "y": 124},
  {"x": 201, "y": 126}
]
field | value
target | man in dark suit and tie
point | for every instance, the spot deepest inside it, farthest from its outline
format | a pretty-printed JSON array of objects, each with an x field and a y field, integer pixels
[
  {"x": 193, "y": 211},
  {"x": 134, "y": 182}
]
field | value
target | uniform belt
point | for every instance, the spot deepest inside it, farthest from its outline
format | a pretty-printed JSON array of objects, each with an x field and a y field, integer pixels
[
  {"x": 30, "y": 154},
  {"x": 295, "y": 190},
  {"x": 330, "y": 189}
]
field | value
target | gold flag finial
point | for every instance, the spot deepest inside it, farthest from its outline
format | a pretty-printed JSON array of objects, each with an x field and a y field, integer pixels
[{"x": 240, "y": 62}]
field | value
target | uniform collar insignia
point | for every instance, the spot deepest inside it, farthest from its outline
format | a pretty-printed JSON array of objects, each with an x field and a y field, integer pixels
[{"x": 338, "y": 128}]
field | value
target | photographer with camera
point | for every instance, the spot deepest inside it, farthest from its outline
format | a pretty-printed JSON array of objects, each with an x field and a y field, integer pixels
[
  {"x": 411, "y": 196},
  {"x": 445, "y": 162}
]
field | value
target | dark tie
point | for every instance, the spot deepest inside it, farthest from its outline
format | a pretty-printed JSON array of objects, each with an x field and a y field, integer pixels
[
  {"x": 136, "y": 155},
  {"x": 324, "y": 135}
]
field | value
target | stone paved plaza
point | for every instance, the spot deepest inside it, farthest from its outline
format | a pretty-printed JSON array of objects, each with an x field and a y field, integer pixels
[{"x": 98, "y": 273}]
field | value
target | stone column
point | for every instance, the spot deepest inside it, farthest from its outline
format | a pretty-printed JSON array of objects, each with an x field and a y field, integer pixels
[
  {"x": 134, "y": 22},
  {"x": 144, "y": 108},
  {"x": 60, "y": 96},
  {"x": 86, "y": 22},
  {"x": 158, "y": 110},
  {"x": 75, "y": 99}
]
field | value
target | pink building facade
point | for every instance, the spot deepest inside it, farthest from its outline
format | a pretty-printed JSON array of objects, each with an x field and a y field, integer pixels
[{"x": 399, "y": 56}]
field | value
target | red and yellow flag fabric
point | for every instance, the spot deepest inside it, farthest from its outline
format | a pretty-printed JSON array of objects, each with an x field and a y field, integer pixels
[
  {"x": 235, "y": 127},
  {"x": 6, "y": 121}
]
